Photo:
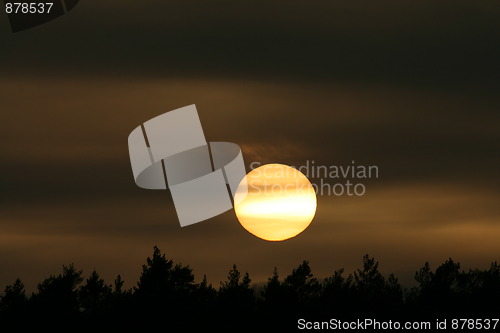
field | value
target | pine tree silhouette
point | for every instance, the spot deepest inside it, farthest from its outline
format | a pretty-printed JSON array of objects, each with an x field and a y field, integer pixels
[{"x": 167, "y": 294}]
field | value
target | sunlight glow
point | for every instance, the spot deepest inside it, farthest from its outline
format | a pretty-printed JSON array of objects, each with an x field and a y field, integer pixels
[{"x": 280, "y": 203}]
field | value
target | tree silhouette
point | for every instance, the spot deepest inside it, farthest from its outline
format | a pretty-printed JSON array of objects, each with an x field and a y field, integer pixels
[
  {"x": 369, "y": 280},
  {"x": 236, "y": 298},
  {"x": 369, "y": 286},
  {"x": 205, "y": 295},
  {"x": 118, "y": 285},
  {"x": 485, "y": 291},
  {"x": 165, "y": 289},
  {"x": 445, "y": 280},
  {"x": 424, "y": 277},
  {"x": 437, "y": 291},
  {"x": 236, "y": 291},
  {"x": 155, "y": 277},
  {"x": 14, "y": 298},
  {"x": 301, "y": 286},
  {"x": 58, "y": 294},
  {"x": 166, "y": 293},
  {"x": 13, "y": 307},
  {"x": 337, "y": 293},
  {"x": 273, "y": 293},
  {"x": 95, "y": 295}
]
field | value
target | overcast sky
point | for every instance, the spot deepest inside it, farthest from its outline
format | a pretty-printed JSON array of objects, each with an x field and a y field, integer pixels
[{"x": 411, "y": 87}]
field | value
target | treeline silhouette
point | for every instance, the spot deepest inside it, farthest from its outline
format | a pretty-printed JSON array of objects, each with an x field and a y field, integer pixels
[{"x": 167, "y": 295}]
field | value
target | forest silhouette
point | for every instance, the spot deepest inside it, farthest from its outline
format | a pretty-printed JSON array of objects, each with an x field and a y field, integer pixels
[{"x": 167, "y": 295}]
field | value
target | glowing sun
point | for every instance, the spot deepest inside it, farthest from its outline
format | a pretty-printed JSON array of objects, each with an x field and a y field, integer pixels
[{"x": 280, "y": 202}]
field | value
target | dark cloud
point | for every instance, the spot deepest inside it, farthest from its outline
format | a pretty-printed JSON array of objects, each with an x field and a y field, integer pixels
[
  {"x": 445, "y": 43},
  {"x": 69, "y": 194},
  {"x": 409, "y": 87}
]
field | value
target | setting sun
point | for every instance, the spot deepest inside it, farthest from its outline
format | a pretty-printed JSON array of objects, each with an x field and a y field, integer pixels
[{"x": 279, "y": 205}]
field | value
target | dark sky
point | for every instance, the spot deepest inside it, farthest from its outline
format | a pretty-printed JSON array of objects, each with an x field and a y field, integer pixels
[{"x": 409, "y": 86}]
